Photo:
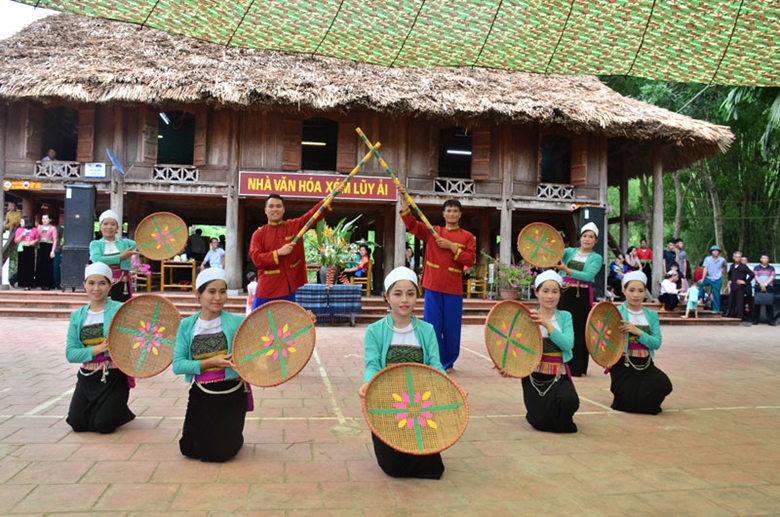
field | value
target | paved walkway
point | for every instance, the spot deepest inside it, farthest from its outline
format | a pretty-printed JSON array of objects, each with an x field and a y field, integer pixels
[{"x": 714, "y": 451}]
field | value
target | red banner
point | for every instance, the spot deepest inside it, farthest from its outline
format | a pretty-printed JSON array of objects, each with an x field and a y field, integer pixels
[{"x": 365, "y": 188}]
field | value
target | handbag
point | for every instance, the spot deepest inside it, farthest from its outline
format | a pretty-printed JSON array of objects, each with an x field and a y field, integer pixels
[{"x": 762, "y": 298}]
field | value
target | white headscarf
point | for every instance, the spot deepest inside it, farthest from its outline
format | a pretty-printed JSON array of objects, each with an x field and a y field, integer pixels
[
  {"x": 592, "y": 227},
  {"x": 209, "y": 274},
  {"x": 547, "y": 275},
  {"x": 634, "y": 275},
  {"x": 98, "y": 268},
  {"x": 400, "y": 273},
  {"x": 110, "y": 214}
]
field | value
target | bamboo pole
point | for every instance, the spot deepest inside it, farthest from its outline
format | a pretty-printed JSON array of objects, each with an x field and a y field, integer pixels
[
  {"x": 397, "y": 183},
  {"x": 329, "y": 198}
]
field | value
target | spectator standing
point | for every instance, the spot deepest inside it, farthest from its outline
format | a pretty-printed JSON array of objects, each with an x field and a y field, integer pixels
[
  {"x": 645, "y": 256},
  {"x": 44, "y": 264},
  {"x": 27, "y": 239},
  {"x": 740, "y": 277},
  {"x": 214, "y": 256},
  {"x": 765, "y": 285},
  {"x": 670, "y": 256},
  {"x": 692, "y": 297},
  {"x": 197, "y": 245},
  {"x": 713, "y": 275},
  {"x": 682, "y": 261}
]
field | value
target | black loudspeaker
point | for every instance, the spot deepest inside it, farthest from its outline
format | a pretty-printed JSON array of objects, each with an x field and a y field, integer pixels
[
  {"x": 79, "y": 216},
  {"x": 596, "y": 215},
  {"x": 74, "y": 261}
]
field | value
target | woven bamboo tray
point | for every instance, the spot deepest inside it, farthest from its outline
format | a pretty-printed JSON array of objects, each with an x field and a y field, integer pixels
[
  {"x": 514, "y": 342},
  {"x": 161, "y": 236},
  {"x": 142, "y": 335},
  {"x": 415, "y": 409},
  {"x": 274, "y": 343},
  {"x": 604, "y": 341},
  {"x": 540, "y": 245}
]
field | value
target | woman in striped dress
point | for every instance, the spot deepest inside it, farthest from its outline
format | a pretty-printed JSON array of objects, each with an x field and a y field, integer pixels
[{"x": 99, "y": 402}]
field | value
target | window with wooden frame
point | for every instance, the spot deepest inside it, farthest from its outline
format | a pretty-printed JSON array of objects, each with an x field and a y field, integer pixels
[
  {"x": 319, "y": 144},
  {"x": 60, "y": 131},
  {"x": 563, "y": 159},
  {"x": 455, "y": 147},
  {"x": 176, "y": 138}
]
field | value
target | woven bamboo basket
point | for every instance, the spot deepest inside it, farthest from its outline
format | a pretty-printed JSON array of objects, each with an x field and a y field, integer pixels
[
  {"x": 161, "y": 235},
  {"x": 604, "y": 341},
  {"x": 415, "y": 409},
  {"x": 142, "y": 335},
  {"x": 274, "y": 343},
  {"x": 540, "y": 245},
  {"x": 514, "y": 342}
]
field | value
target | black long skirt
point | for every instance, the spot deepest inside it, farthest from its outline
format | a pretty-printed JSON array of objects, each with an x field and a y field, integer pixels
[
  {"x": 554, "y": 411},
  {"x": 99, "y": 406},
  {"x": 401, "y": 465},
  {"x": 214, "y": 425},
  {"x": 579, "y": 309},
  {"x": 25, "y": 272},
  {"x": 44, "y": 266},
  {"x": 120, "y": 292},
  {"x": 639, "y": 391}
]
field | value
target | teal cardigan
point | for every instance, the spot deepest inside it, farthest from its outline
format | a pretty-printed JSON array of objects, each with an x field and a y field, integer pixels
[
  {"x": 97, "y": 253},
  {"x": 592, "y": 265},
  {"x": 377, "y": 343},
  {"x": 652, "y": 340},
  {"x": 564, "y": 338},
  {"x": 183, "y": 364},
  {"x": 75, "y": 351}
]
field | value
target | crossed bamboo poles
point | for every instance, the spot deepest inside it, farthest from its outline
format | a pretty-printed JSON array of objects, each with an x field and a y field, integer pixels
[{"x": 373, "y": 150}]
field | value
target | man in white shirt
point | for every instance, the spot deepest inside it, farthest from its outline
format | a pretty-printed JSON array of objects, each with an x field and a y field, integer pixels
[{"x": 214, "y": 256}]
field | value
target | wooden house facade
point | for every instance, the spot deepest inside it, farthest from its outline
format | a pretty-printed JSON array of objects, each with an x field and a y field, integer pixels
[{"x": 207, "y": 132}]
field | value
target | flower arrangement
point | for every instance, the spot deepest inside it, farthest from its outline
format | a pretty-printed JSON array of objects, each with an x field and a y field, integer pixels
[
  {"x": 139, "y": 268},
  {"x": 331, "y": 246},
  {"x": 511, "y": 276}
]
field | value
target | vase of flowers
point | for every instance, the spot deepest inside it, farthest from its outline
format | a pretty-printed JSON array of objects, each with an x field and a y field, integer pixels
[
  {"x": 330, "y": 248},
  {"x": 512, "y": 278}
]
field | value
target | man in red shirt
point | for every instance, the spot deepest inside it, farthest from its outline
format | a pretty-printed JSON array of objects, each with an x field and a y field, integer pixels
[
  {"x": 645, "y": 255},
  {"x": 281, "y": 265},
  {"x": 446, "y": 255}
]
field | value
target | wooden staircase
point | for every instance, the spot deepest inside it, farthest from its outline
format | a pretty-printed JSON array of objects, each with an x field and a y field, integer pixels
[{"x": 58, "y": 304}]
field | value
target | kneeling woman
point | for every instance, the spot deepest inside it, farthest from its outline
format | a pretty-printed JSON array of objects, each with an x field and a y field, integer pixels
[
  {"x": 637, "y": 384},
  {"x": 401, "y": 338},
  {"x": 99, "y": 402},
  {"x": 549, "y": 395},
  {"x": 217, "y": 406}
]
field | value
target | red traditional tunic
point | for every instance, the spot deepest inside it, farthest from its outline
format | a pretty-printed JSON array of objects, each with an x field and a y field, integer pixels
[
  {"x": 279, "y": 276},
  {"x": 443, "y": 269}
]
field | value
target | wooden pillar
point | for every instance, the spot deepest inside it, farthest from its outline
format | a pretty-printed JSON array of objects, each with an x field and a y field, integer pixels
[
  {"x": 233, "y": 257},
  {"x": 3, "y": 126},
  {"x": 623, "y": 209},
  {"x": 658, "y": 219},
  {"x": 399, "y": 231},
  {"x": 389, "y": 237},
  {"x": 507, "y": 176},
  {"x": 483, "y": 240},
  {"x": 117, "y": 189},
  {"x": 28, "y": 207}
]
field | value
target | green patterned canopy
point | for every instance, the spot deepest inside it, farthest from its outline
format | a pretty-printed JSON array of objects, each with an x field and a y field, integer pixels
[{"x": 719, "y": 41}]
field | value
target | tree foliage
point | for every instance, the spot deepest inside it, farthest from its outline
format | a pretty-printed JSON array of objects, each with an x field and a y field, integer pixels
[{"x": 732, "y": 200}]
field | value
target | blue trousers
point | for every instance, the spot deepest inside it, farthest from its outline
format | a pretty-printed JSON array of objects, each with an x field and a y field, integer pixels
[
  {"x": 716, "y": 285},
  {"x": 260, "y": 301},
  {"x": 445, "y": 313}
]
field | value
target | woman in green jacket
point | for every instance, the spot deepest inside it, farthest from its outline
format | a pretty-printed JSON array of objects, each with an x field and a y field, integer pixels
[
  {"x": 400, "y": 337},
  {"x": 115, "y": 251},
  {"x": 218, "y": 399}
]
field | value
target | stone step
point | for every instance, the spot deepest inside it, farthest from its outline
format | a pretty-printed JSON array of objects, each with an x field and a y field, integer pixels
[{"x": 58, "y": 304}]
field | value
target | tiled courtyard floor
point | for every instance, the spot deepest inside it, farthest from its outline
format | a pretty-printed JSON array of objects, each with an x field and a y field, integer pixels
[{"x": 714, "y": 451}]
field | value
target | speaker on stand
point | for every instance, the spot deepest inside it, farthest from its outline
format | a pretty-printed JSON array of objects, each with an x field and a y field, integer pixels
[{"x": 79, "y": 232}]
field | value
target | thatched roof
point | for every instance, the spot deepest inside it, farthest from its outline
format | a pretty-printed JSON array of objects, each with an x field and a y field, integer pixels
[{"x": 88, "y": 60}]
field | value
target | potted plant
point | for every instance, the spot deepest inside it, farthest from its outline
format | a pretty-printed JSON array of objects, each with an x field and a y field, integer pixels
[
  {"x": 512, "y": 279},
  {"x": 331, "y": 248}
]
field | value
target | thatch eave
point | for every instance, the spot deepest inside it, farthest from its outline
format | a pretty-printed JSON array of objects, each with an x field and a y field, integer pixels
[{"x": 68, "y": 58}]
